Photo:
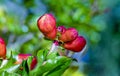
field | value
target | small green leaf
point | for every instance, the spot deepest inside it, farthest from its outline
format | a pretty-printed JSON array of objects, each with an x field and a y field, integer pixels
[
  {"x": 5, "y": 73},
  {"x": 41, "y": 55},
  {"x": 63, "y": 64},
  {"x": 25, "y": 71},
  {"x": 13, "y": 69},
  {"x": 52, "y": 55},
  {"x": 8, "y": 64},
  {"x": 29, "y": 60},
  {"x": 54, "y": 66}
]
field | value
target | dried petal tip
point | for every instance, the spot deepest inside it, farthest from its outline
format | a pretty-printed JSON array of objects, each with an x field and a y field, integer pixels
[
  {"x": 76, "y": 45},
  {"x": 2, "y": 48},
  {"x": 69, "y": 35},
  {"x": 47, "y": 25}
]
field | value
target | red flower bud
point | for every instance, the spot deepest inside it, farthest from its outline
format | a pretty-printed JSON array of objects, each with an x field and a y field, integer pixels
[
  {"x": 51, "y": 35},
  {"x": 76, "y": 45},
  {"x": 46, "y": 23},
  {"x": 22, "y": 57},
  {"x": 33, "y": 63},
  {"x": 2, "y": 48},
  {"x": 69, "y": 35},
  {"x": 61, "y": 29}
]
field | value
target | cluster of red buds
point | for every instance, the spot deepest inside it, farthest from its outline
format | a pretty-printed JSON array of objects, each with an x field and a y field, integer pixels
[{"x": 67, "y": 36}]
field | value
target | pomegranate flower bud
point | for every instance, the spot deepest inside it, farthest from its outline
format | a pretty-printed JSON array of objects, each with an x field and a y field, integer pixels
[
  {"x": 61, "y": 29},
  {"x": 51, "y": 35},
  {"x": 76, "y": 45},
  {"x": 46, "y": 23},
  {"x": 22, "y": 57},
  {"x": 33, "y": 63},
  {"x": 69, "y": 35},
  {"x": 2, "y": 48}
]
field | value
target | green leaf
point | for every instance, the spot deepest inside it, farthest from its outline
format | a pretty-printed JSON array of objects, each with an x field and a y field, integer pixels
[
  {"x": 62, "y": 64},
  {"x": 25, "y": 71},
  {"x": 56, "y": 65},
  {"x": 52, "y": 55},
  {"x": 41, "y": 55},
  {"x": 5, "y": 73},
  {"x": 8, "y": 64},
  {"x": 29, "y": 60},
  {"x": 13, "y": 69}
]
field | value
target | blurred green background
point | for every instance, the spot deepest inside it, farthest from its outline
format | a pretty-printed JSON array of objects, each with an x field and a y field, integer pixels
[{"x": 97, "y": 20}]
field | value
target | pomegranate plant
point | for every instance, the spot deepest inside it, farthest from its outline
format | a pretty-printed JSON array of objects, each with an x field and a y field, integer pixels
[{"x": 47, "y": 62}]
